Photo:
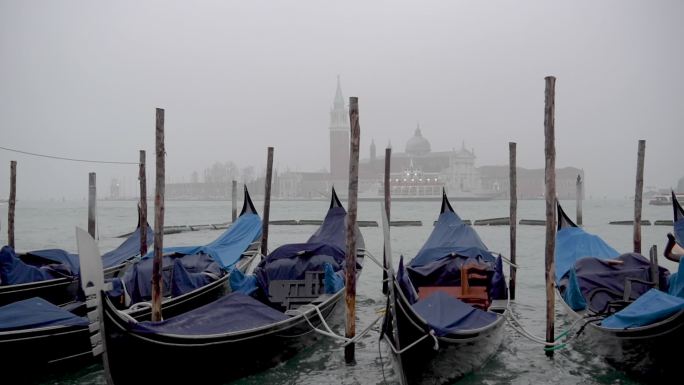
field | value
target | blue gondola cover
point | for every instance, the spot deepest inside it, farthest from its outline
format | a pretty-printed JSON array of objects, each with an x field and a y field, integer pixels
[
  {"x": 235, "y": 311},
  {"x": 676, "y": 282},
  {"x": 446, "y": 314},
  {"x": 36, "y": 313},
  {"x": 573, "y": 243},
  {"x": 13, "y": 271},
  {"x": 129, "y": 248},
  {"x": 650, "y": 308}
]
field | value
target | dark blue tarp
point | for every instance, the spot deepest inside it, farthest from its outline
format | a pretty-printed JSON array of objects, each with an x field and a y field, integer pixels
[
  {"x": 13, "y": 271},
  {"x": 55, "y": 256},
  {"x": 591, "y": 273},
  {"x": 573, "y": 243},
  {"x": 451, "y": 235},
  {"x": 446, "y": 314},
  {"x": 229, "y": 246},
  {"x": 650, "y": 308},
  {"x": 128, "y": 249},
  {"x": 241, "y": 283},
  {"x": 231, "y": 313},
  {"x": 36, "y": 313}
]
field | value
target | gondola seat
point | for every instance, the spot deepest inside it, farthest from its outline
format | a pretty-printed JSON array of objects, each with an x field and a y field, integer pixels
[
  {"x": 290, "y": 294},
  {"x": 471, "y": 291}
]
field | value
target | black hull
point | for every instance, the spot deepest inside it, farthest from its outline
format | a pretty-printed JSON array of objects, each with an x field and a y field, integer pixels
[
  {"x": 29, "y": 353},
  {"x": 647, "y": 353},
  {"x": 458, "y": 354},
  {"x": 58, "y": 291},
  {"x": 210, "y": 359}
]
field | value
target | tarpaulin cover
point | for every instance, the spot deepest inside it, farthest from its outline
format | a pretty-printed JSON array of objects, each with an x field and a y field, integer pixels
[
  {"x": 333, "y": 281},
  {"x": 56, "y": 256},
  {"x": 128, "y": 249},
  {"x": 451, "y": 235},
  {"x": 573, "y": 243},
  {"x": 591, "y": 273},
  {"x": 445, "y": 314},
  {"x": 36, "y": 313},
  {"x": 13, "y": 271},
  {"x": 676, "y": 282},
  {"x": 235, "y": 311},
  {"x": 178, "y": 275},
  {"x": 184, "y": 281},
  {"x": 229, "y": 246},
  {"x": 241, "y": 283},
  {"x": 333, "y": 230},
  {"x": 650, "y": 308}
]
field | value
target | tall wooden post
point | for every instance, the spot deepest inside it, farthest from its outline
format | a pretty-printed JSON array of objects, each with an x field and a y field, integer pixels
[
  {"x": 579, "y": 195},
  {"x": 550, "y": 179},
  {"x": 92, "y": 203},
  {"x": 350, "y": 262},
  {"x": 158, "y": 218},
  {"x": 267, "y": 202},
  {"x": 12, "y": 203},
  {"x": 637, "y": 195},
  {"x": 513, "y": 212},
  {"x": 385, "y": 256},
  {"x": 142, "y": 176},
  {"x": 233, "y": 197}
]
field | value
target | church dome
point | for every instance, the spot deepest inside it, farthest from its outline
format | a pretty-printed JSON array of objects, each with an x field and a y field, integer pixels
[{"x": 417, "y": 145}]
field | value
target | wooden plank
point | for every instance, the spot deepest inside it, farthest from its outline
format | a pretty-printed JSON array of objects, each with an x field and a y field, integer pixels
[
  {"x": 267, "y": 202},
  {"x": 638, "y": 195},
  {"x": 158, "y": 217},
  {"x": 550, "y": 181},
  {"x": 352, "y": 197},
  {"x": 513, "y": 196},
  {"x": 92, "y": 198},
  {"x": 12, "y": 203},
  {"x": 142, "y": 177}
]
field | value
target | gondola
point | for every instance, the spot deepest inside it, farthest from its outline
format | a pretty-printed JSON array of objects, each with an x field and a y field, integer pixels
[
  {"x": 192, "y": 275},
  {"x": 269, "y": 317},
  {"x": 37, "y": 336},
  {"x": 446, "y": 308},
  {"x": 52, "y": 274},
  {"x": 621, "y": 302},
  {"x": 674, "y": 250}
]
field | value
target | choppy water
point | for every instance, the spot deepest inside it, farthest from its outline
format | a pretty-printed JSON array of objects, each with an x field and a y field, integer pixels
[{"x": 518, "y": 361}]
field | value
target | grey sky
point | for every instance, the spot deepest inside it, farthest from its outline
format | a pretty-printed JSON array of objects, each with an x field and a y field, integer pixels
[{"x": 82, "y": 79}]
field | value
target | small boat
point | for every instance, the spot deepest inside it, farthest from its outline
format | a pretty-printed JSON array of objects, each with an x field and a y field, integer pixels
[
  {"x": 37, "y": 336},
  {"x": 52, "y": 274},
  {"x": 267, "y": 318},
  {"x": 624, "y": 302},
  {"x": 446, "y": 308},
  {"x": 192, "y": 275},
  {"x": 674, "y": 250}
]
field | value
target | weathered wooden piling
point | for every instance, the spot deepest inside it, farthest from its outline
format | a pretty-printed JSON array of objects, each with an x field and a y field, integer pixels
[
  {"x": 550, "y": 181},
  {"x": 92, "y": 203},
  {"x": 653, "y": 256},
  {"x": 350, "y": 262},
  {"x": 637, "y": 195},
  {"x": 513, "y": 213},
  {"x": 388, "y": 158},
  {"x": 233, "y": 197},
  {"x": 579, "y": 196},
  {"x": 142, "y": 176},
  {"x": 158, "y": 217},
  {"x": 267, "y": 202},
  {"x": 12, "y": 203}
]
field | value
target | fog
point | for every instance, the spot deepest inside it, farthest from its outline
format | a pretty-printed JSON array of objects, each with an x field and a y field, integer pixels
[{"x": 82, "y": 79}]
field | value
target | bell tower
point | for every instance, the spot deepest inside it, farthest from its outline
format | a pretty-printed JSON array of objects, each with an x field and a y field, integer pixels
[{"x": 339, "y": 138}]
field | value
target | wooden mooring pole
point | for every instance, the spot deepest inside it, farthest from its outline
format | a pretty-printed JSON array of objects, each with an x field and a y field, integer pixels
[
  {"x": 637, "y": 195},
  {"x": 550, "y": 180},
  {"x": 92, "y": 203},
  {"x": 158, "y": 218},
  {"x": 233, "y": 197},
  {"x": 267, "y": 202},
  {"x": 142, "y": 176},
  {"x": 579, "y": 195},
  {"x": 12, "y": 203},
  {"x": 350, "y": 262},
  {"x": 513, "y": 213},
  {"x": 385, "y": 264}
]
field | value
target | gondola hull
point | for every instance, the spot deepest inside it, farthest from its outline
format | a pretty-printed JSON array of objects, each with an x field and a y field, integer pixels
[
  {"x": 59, "y": 291},
  {"x": 646, "y": 353},
  {"x": 207, "y": 359},
  {"x": 456, "y": 354}
]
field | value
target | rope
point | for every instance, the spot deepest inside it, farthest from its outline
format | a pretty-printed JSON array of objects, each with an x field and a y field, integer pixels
[
  {"x": 431, "y": 333},
  {"x": 328, "y": 331},
  {"x": 65, "y": 158},
  {"x": 372, "y": 258}
]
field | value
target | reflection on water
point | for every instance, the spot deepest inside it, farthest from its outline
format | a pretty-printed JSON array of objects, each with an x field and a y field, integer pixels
[{"x": 518, "y": 361}]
